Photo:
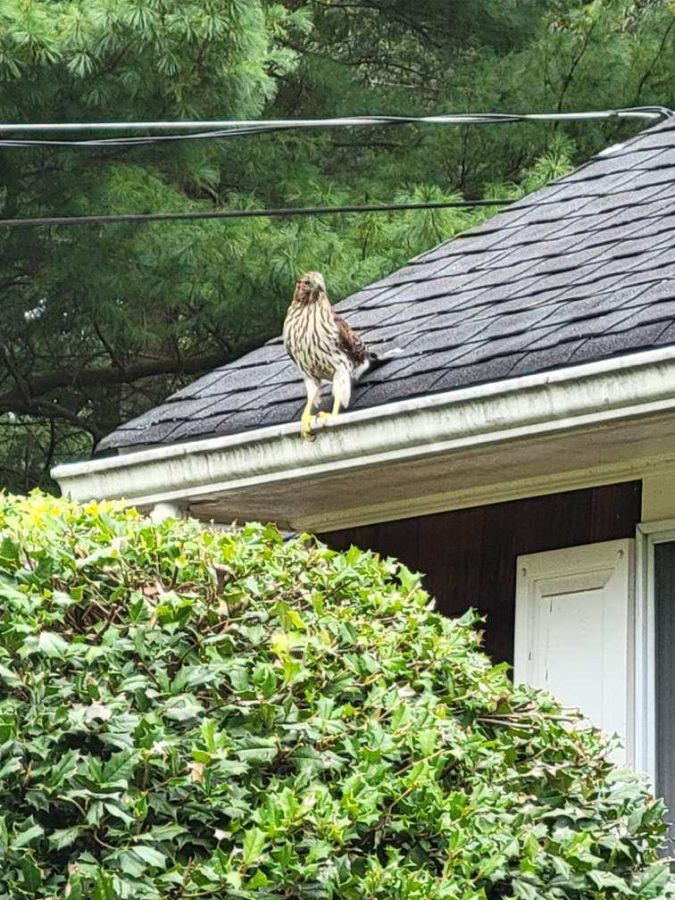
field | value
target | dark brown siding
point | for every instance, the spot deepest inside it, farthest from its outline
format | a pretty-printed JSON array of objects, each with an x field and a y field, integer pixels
[{"x": 469, "y": 555}]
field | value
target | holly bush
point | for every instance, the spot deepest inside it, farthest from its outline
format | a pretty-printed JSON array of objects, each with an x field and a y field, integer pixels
[{"x": 188, "y": 713}]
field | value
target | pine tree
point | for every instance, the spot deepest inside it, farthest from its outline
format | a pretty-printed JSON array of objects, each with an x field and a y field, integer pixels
[{"x": 100, "y": 323}]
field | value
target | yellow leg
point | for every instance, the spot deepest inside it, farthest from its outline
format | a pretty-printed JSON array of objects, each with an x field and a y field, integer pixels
[
  {"x": 313, "y": 389},
  {"x": 306, "y": 421},
  {"x": 324, "y": 416}
]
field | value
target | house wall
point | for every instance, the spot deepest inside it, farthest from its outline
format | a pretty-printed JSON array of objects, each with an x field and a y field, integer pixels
[{"x": 469, "y": 555}]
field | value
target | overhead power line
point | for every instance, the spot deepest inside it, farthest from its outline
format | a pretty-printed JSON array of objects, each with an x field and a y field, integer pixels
[
  {"x": 132, "y": 218},
  {"x": 226, "y": 128},
  {"x": 222, "y": 129},
  {"x": 643, "y": 112}
]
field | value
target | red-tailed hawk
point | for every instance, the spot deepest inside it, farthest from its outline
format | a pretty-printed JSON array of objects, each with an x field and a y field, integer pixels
[{"x": 323, "y": 347}]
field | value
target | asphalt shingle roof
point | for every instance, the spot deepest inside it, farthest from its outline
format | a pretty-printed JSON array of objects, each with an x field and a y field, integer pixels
[{"x": 580, "y": 270}]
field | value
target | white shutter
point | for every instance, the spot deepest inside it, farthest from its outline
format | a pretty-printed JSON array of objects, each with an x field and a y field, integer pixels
[{"x": 573, "y": 608}]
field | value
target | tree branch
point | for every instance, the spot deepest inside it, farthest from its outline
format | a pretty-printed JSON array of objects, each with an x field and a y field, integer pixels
[
  {"x": 651, "y": 68},
  {"x": 50, "y": 410},
  {"x": 570, "y": 75},
  {"x": 13, "y": 280},
  {"x": 31, "y": 390},
  {"x": 114, "y": 358}
]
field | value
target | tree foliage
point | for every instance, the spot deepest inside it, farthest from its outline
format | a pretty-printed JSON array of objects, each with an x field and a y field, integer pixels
[
  {"x": 189, "y": 713},
  {"x": 101, "y": 322}
]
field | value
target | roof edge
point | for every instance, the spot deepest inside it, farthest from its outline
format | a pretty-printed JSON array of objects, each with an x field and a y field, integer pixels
[{"x": 551, "y": 402}]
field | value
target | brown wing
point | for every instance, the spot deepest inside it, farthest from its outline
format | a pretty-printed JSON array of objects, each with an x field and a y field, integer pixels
[{"x": 350, "y": 342}]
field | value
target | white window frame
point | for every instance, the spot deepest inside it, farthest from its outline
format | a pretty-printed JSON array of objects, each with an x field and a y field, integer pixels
[{"x": 648, "y": 534}]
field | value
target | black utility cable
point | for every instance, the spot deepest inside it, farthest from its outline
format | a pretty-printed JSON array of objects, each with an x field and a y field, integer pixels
[
  {"x": 222, "y": 129},
  {"x": 132, "y": 218}
]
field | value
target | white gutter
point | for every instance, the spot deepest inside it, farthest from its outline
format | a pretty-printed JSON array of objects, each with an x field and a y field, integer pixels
[{"x": 545, "y": 403}]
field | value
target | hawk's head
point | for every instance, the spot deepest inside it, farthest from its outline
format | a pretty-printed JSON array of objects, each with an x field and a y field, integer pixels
[{"x": 309, "y": 287}]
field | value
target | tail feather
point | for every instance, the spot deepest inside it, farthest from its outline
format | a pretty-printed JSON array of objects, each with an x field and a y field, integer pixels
[
  {"x": 379, "y": 359},
  {"x": 374, "y": 360}
]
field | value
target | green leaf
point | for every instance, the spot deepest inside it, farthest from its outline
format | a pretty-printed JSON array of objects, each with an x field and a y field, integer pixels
[
  {"x": 130, "y": 864},
  {"x": 32, "y": 876},
  {"x": 653, "y": 881},
  {"x": 64, "y": 837},
  {"x": 10, "y": 677},
  {"x": 490, "y": 866},
  {"x": 52, "y": 644},
  {"x": 525, "y": 891},
  {"x": 73, "y": 889},
  {"x": 164, "y": 832},
  {"x": 120, "y": 767},
  {"x": 259, "y": 880},
  {"x": 608, "y": 880},
  {"x": 183, "y": 709},
  {"x": 254, "y": 844},
  {"x": 118, "y": 813},
  {"x": 12, "y": 765},
  {"x": 562, "y": 867},
  {"x": 103, "y": 886},
  {"x": 9, "y": 550},
  {"x": 26, "y": 837},
  {"x": 258, "y": 752},
  {"x": 64, "y": 768},
  {"x": 9, "y": 591},
  {"x": 150, "y": 855}
]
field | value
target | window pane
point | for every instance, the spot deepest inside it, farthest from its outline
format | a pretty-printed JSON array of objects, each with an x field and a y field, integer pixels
[{"x": 664, "y": 584}]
